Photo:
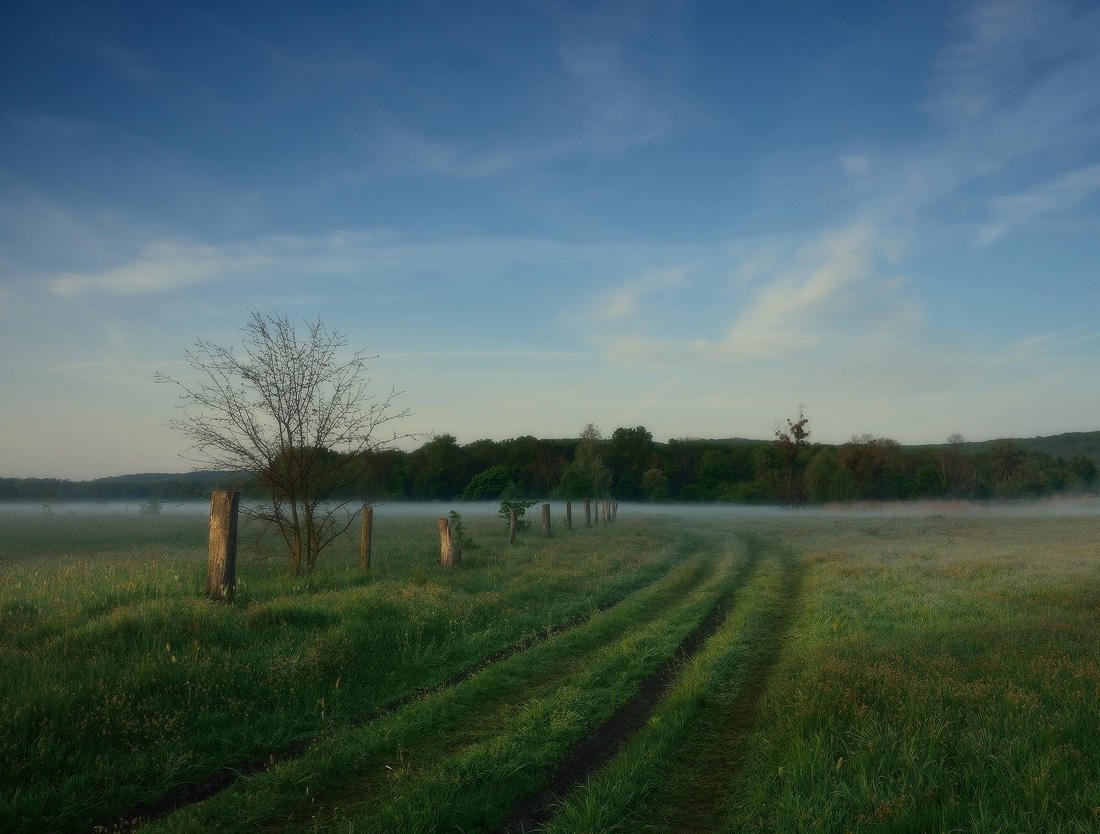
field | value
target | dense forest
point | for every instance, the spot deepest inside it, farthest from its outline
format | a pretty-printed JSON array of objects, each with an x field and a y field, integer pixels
[{"x": 630, "y": 466}]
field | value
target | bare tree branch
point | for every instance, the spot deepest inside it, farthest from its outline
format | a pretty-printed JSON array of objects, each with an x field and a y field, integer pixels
[{"x": 292, "y": 413}]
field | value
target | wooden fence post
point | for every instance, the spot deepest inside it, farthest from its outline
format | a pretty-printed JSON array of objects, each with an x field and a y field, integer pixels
[
  {"x": 365, "y": 538},
  {"x": 569, "y": 516},
  {"x": 512, "y": 526},
  {"x": 450, "y": 554},
  {"x": 221, "y": 576},
  {"x": 587, "y": 513},
  {"x": 546, "y": 520}
]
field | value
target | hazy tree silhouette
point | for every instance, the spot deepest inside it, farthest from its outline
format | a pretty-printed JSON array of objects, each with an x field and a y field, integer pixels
[{"x": 790, "y": 443}]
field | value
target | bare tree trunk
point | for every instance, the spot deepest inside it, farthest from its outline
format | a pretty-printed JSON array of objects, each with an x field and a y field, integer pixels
[
  {"x": 221, "y": 577},
  {"x": 614, "y": 510},
  {"x": 450, "y": 554},
  {"x": 365, "y": 537},
  {"x": 312, "y": 548},
  {"x": 587, "y": 513},
  {"x": 296, "y": 551},
  {"x": 546, "y": 520},
  {"x": 511, "y": 526},
  {"x": 569, "y": 516}
]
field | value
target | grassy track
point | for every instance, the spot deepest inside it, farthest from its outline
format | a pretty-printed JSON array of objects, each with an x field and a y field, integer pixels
[
  {"x": 461, "y": 757},
  {"x": 869, "y": 674},
  {"x": 673, "y": 773},
  {"x": 122, "y": 684}
]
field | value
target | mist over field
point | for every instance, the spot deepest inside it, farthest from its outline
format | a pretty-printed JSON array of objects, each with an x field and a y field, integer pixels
[{"x": 1054, "y": 507}]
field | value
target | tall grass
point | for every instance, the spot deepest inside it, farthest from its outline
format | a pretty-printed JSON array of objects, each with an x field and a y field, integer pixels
[
  {"x": 121, "y": 681},
  {"x": 943, "y": 677},
  {"x": 875, "y": 674},
  {"x": 459, "y": 758}
]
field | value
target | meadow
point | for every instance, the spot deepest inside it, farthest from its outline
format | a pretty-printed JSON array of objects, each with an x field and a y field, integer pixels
[{"x": 719, "y": 671}]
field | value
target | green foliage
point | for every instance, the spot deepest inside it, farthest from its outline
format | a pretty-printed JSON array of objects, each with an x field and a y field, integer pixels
[
  {"x": 491, "y": 483},
  {"x": 459, "y": 534},
  {"x": 655, "y": 485},
  {"x": 865, "y": 468},
  {"x": 508, "y": 503},
  {"x": 629, "y": 455},
  {"x": 1083, "y": 468},
  {"x": 586, "y": 476}
]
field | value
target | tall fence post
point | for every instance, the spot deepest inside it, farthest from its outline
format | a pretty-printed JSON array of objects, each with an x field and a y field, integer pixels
[
  {"x": 221, "y": 576},
  {"x": 546, "y": 520},
  {"x": 450, "y": 554},
  {"x": 587, "y": 513},
  {"x": 569, "y": 516},
  {"x": 365, "y": 537},
  {"x": 512, "y": 526}
]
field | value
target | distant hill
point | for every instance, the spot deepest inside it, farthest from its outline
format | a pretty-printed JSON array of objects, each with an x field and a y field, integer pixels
[
  {"x": 166, "y": 477},
  {"x": 1065, "y": 445},
  {"x": 169, "y": 486}
]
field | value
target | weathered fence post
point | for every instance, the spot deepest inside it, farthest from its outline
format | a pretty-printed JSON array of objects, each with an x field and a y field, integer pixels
[
  {"x": 512, "y": 526},
  {"x": 569, "y": 516},
  {"x": 450, "y": 554},
  {"x": 365, "y": 538},
  {"x": 587, "y": 513},
  {"x": 546, "y": 520},
  {"x": 221, "y": 576}
]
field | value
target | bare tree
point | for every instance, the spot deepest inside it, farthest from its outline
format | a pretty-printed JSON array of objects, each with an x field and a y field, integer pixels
[{"x": 296, "y": 413}]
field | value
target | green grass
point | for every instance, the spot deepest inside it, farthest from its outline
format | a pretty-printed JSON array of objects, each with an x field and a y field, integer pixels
[
  {"x": 667, "y": 777},
  {"x": 459, "y": 758},
  {"x": 942, "y": 677},
  {"x": 121, "y": 681},
  {"x": 872, "y": 674}
]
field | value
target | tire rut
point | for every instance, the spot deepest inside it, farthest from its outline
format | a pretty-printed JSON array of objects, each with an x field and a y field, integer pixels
[
  {"x": 550, "y": 676},
  {"x": 716, "y": 754},
  {"x": 596, "y": 750},
  {"x": 190, "y": 794}
]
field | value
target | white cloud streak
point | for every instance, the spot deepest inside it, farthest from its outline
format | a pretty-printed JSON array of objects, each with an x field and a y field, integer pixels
[
  {"x": 1009, "y": 213},
  {"x": 163, "y": 268}
]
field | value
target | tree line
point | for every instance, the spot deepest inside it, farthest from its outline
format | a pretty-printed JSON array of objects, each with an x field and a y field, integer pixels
[{"x": 630, "y": 466}]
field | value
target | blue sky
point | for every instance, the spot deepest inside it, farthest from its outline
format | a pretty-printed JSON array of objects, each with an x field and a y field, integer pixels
[{"x": 692, "y": 216}]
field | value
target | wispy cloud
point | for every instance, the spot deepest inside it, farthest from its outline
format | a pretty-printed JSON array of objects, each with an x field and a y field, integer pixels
[
  {"x": 635, "y": 298},
  {"x": 163, "y": 267},
  {"x": 624, "y": 100},
  {"x": 1013, "y": 86},
  {"x": 1009, "y": 213},
  {"x": 993, "y": 60},
  {"x": 618, "y": 84},
  {"x": 831, "y": 292}
]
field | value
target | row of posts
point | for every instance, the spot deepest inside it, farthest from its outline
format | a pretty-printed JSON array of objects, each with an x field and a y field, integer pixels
[{"x": 221, "y": 577}]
